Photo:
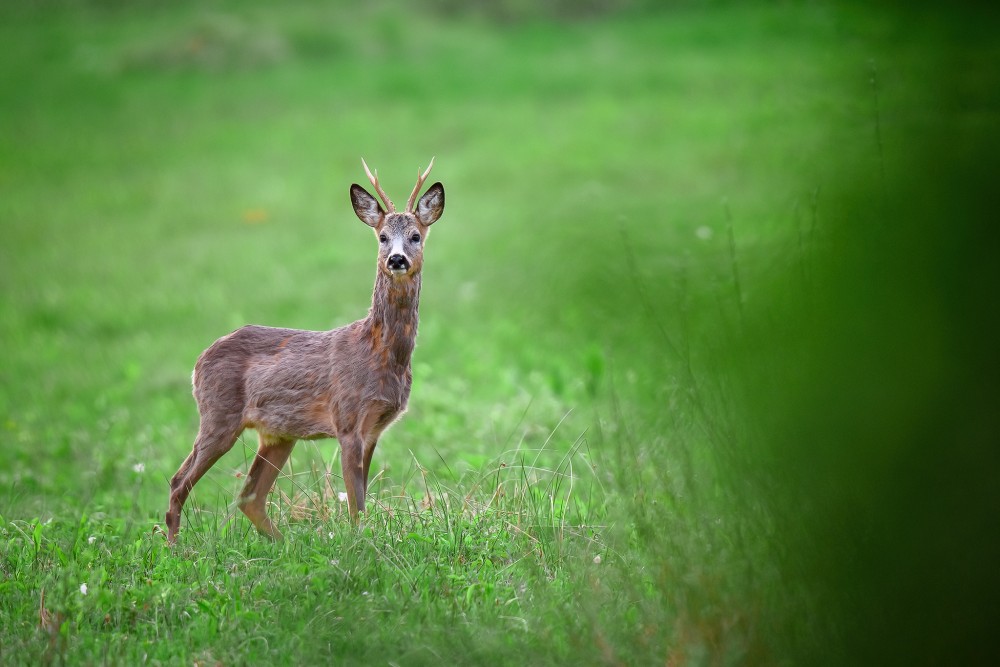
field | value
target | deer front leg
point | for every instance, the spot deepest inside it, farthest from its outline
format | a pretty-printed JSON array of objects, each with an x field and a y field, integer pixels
[
  {"x": 352, "y": 450},
  {"x": 369, "y": 451},
  {"x": 271, "y": 456}
]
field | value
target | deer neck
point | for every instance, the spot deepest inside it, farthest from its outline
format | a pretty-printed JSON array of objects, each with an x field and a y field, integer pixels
[{"x": 393, "y": 317}]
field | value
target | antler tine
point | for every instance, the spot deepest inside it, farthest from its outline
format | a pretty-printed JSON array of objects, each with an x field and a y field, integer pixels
[
  {"x": 416, "y": 188},
  {"x": 390, "y": 208}
]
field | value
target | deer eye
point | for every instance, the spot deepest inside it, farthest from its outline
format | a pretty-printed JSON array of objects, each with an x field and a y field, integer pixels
[
  {"x": 415, "y": 238},
  {"x": 382, "y": 238}
]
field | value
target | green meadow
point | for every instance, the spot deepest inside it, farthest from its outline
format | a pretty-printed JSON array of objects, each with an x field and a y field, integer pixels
[{"x": 706, "y": 371}]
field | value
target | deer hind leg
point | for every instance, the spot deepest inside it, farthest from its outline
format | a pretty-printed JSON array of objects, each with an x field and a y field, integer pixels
[
  {"x": 271, "y": 456},
  {"x": 215, "y": 438}
]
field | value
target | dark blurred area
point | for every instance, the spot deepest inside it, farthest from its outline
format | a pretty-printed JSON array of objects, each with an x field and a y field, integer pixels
[{"x": 880, "y": 418}]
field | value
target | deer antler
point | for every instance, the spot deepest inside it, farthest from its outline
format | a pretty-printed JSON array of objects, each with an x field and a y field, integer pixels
[
  {"x": 390, "y": 208},
  {"x": 416, "y": 188}
]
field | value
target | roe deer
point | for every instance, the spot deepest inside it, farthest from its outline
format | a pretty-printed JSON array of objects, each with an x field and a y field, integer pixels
[{"x": 350, "y": 383}]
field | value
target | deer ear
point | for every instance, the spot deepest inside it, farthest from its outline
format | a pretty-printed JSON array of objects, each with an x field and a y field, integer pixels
[
  {"x": 431, "y": 205},
  {"x": 366, "y": 207}
]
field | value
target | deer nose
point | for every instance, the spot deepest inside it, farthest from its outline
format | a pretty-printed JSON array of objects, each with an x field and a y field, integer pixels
[{"x": 398, "y": 263}]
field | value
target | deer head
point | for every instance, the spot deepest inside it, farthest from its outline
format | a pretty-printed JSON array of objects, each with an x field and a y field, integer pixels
[{"x": 400, "y": 234}]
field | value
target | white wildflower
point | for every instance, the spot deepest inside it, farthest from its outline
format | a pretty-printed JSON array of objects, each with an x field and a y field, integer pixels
[
  {"x": 342, "y": 496},
  {"x": 139, "y": 467},
  {"x": 91, "y": 539},
  {"x": 83, "y": 589},
  {"x": 597, "y": 559}
]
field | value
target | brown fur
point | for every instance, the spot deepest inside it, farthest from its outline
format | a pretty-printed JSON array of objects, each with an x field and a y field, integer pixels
[{"x": 350, "y": 383}]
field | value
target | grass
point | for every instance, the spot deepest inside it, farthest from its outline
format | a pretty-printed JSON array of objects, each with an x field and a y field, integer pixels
[{"x": 680, "y": 381}]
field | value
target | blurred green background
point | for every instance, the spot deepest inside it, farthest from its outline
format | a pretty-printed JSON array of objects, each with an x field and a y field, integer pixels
[{"x": 738, "y": 261}]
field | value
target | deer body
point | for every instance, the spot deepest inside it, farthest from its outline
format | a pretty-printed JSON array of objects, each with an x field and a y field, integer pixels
[{"x": 349, "y": 383}]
